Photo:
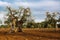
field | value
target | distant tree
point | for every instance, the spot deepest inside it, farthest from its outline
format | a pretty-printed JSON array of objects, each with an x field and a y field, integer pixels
[
  {"x": 50, "y": 19},
  {"x": 12, "y": 18},
  {"x": 18, "y": 21},
  {"x": 58, "y": 25}
]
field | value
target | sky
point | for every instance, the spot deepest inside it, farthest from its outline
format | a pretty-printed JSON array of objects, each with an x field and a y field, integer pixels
[{"x": 38, "y": 7}]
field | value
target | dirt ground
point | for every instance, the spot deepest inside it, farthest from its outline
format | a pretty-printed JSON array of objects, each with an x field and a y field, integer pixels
[{"x": 31, "y": 34}]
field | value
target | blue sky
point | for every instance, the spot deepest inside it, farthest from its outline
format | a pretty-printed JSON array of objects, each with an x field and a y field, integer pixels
[{"x": 38, "y": 7}]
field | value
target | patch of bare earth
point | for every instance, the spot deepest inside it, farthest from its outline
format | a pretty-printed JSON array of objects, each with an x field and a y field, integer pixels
[{"x": 31, "y": 34}]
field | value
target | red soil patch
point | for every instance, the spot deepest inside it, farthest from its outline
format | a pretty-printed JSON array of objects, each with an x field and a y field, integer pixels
[{"x": 31, "y": 34}]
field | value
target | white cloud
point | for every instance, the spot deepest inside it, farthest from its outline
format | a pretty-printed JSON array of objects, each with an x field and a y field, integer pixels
[
  {"x": 24, "y": 4},
  {"x": 38, "y": 4},
  {"x": 45, "y": 5},
  {"x": 4, "y": 3},
  {"x": 39, "y": 20},
  {"x": 2, "y": 14}
]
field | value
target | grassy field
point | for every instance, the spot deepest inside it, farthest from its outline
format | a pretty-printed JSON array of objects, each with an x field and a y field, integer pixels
[{"x": 31, "y": 34}]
